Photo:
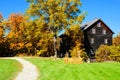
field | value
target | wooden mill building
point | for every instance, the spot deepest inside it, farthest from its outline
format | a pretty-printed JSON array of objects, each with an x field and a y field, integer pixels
[{"x": 96, "y": 32}]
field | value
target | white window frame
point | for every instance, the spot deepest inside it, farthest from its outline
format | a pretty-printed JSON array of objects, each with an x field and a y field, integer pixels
[
  {"x": 93, "y": 31},
  {"x": 103, "y": 31},
  {"x": 92, "y": 41},
  {"x": 99, "y": 24},
  {"x": 106, "y": 41}
]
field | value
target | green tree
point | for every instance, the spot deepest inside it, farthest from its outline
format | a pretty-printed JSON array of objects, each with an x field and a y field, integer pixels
[{"x": 55, "y": 15}]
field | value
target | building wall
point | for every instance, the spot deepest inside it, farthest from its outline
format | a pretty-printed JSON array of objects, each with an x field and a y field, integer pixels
[{"x": 97, "y": 36}]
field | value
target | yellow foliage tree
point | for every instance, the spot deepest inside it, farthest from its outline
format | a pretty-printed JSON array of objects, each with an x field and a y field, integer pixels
[
  {"x": 54, "y": 16},
  {"x": 77, "y": 48}
]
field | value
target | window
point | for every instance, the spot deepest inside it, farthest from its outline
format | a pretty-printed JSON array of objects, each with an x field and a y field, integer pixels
[
  {"x": 99, "y": 24},
  {"x": 104, "y": 31},
  {"x": 93, "y": 31},
  {"x": 106, "y": 41},
  {"x": 92, "y": 40},
  {"x": 92, "y": 52}
]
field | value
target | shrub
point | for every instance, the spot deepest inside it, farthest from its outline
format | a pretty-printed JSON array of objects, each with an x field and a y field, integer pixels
[
  {"x": 115, "y": 53},
  {"x": 79, "y": 52},
  {"x": 108, "y": 53},
  {"x": 103, "y": 53}
]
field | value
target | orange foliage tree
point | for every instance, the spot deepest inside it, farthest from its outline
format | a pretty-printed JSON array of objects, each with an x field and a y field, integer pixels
[
  {"x": 15, "y": 24},
  {"x": 116, "y": 40}
]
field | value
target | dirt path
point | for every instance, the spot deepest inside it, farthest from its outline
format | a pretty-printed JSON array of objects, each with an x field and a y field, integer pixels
[{"x": 29, "y": 71}]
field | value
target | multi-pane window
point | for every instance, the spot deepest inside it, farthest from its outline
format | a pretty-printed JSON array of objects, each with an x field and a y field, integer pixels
[
  {"x": 93, "y": 31},
  {"x": 103, "y": 31},
  {"x": 92, "y": 40},
  {"x": 105, "y": 41},
  {"x": 99, "y": 24}
]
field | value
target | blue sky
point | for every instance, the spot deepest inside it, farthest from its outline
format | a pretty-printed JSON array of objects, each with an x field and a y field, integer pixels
[
  {"x": 12, "y": 6},
  {"x": 107, "y": 10}
]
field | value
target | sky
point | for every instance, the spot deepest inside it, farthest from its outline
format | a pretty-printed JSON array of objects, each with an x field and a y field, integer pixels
[
  {"x": 12, "y": 6},
  {"x": 107, "y": 10}
]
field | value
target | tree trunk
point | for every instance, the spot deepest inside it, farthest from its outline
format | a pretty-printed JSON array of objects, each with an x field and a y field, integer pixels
[{"x": 55, "y": 50}]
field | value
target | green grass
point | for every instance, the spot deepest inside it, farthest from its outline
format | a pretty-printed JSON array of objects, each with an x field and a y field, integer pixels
[
  {"x": 9, "y": 69},
  {"x": 51, "y": 69}
]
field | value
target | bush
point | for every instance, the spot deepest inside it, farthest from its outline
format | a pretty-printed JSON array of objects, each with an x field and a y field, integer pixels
[
  {"x": 115, "y": 53},
  {"x": 108, "y": 53},
  {"x": 79, "y": 52},
  {"x": 103, "y": 53}
]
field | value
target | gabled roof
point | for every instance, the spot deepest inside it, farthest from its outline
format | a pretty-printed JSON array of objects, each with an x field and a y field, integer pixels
[{"x": 89, "y": 24}]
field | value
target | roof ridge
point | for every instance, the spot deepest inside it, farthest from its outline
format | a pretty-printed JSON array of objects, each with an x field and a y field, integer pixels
[{"x": 87, "y": 24}]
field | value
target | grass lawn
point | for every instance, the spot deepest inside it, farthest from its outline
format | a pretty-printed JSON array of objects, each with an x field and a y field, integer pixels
[
  {"x": 9, "y": 69},
  {"x": 51, "y": 69}
]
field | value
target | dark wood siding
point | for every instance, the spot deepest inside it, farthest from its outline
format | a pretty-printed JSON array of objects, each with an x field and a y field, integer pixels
[{"x": 98, "y": 36}]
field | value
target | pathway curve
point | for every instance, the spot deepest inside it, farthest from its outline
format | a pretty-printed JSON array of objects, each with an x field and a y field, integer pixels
[{"x": 29, "y": 71}]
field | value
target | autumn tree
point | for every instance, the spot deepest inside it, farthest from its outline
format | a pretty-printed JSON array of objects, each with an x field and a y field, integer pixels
[
  {"x": 77, "y": 45},
  {"x": 4, "y": 46},
  {"x": 2, "y": 31},
  {"x": 54, "y": 15},
  {"x": 116, "y": 40},
  {"x": 115, "y": 48},
  {"x": 33, "y": 35},
  {"x": 15, "y": 25},
  {"x": 1, "y": 27}
]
